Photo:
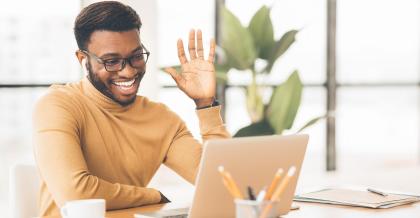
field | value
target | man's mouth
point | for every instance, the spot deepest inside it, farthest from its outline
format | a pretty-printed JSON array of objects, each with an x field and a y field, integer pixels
[
  {"x": 127, "y": 87},
  {"x": 125, "y": 84}
]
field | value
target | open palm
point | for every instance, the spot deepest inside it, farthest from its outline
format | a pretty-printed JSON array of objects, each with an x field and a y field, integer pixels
[{"x": 197, "y": 78}]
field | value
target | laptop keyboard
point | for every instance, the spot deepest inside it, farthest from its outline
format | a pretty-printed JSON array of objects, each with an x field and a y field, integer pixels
[
  {"x": 177, "y": 216},
  {"x": 168, "y": 213}
]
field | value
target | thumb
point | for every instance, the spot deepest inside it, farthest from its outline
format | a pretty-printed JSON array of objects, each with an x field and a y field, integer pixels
[{"x": 171, "y": 71}]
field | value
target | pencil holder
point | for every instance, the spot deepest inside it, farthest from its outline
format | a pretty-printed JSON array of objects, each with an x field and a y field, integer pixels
[{"x": 256, "y": 209}]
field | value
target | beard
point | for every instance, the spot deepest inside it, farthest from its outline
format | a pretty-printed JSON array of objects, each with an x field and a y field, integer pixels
[{"x": 101, "y": 86}]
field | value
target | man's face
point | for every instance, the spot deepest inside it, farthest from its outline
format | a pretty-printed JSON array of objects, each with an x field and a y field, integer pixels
[{"x": 121, "y": 86}]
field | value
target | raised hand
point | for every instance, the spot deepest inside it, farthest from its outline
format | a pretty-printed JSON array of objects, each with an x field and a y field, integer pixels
[{"x": 197, "y": 78}]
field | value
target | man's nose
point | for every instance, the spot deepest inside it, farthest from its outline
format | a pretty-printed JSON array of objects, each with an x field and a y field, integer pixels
[{"x": 128, "y": 71}]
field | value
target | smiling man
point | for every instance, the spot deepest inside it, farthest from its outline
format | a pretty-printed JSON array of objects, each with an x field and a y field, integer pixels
[
  {"x": 120, "y": 87},
  {"x": 97, "y": 138}
]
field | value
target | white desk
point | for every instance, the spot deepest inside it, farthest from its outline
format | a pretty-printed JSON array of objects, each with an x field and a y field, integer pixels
[{"x": 401, "y": 179}]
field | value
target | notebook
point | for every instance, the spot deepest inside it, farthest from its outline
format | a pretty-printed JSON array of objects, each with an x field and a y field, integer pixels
[{"x": 356, "y": 198}]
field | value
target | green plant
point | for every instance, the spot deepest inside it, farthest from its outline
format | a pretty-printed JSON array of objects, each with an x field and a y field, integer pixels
[{"x": 243, "y": 47}]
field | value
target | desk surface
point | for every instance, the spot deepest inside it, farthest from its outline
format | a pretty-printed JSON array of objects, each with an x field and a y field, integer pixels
[
  {"x": 400, "y": 179},
  {"x": 306, "y": 210}
]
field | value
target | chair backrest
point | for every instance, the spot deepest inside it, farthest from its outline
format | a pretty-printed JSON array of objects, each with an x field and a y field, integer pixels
[{"x": 23, "y": 191}]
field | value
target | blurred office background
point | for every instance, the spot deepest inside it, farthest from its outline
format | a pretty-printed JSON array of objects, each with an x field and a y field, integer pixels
[{"x": 378, "y": 72}]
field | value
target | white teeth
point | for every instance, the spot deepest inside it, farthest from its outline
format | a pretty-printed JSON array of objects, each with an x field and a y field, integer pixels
[{"x": 126, "y": 83}]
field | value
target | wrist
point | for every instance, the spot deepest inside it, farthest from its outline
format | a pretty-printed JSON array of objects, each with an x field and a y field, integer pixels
[{"x": 206, "y": 103}]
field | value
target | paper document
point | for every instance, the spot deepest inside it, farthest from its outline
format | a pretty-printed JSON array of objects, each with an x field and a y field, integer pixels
[{"x": 356, "y": 198}]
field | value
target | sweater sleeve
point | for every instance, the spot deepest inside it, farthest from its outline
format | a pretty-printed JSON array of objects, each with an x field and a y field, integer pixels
[
  {"x": 61, "y": 163},
  {"x": 184, "y": 153}
]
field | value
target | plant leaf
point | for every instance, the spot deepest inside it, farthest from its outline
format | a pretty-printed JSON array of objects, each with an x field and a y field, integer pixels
[
  {"x": 221, "y": 76},
  {"x": 237, "y": 42},
  {"x": 221, "y": 68},
  {"x": 280, "y": 48},
  {"x": 260, "y": 128},
  {"x": 284, "y": 103},
  {"x": 254, "y": 103},
  {"x": 311, "y": 122},
  {"x": 261, "y": 29}
]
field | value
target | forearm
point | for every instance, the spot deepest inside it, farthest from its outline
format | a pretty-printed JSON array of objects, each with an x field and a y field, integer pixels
[
  {"x": 211, "y": 123},
  {"x": 63, "y": 169},
  {"x": 185, "y": 152},
  {"x": 82, "y": 185}
]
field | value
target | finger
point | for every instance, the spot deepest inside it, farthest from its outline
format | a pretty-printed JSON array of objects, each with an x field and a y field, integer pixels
[
  {"x": 171, "y": 71},
  {"x": 191, "y": 45},
  {"x": 200, "y": 50},
  {"x": 181, "y": 52},
  {"x": 212, "y": 51}
]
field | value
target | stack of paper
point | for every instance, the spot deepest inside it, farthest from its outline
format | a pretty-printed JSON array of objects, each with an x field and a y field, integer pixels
[{"x": 356, "y": 198}]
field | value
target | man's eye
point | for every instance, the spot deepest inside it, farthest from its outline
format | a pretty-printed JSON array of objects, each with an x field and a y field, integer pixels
[
  {"x": 112, "y": 62},
  {"x": 137, "y": 57}
]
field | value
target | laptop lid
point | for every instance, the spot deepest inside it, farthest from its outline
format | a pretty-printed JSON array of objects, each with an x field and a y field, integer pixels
[{"x": 252, "y": 161}]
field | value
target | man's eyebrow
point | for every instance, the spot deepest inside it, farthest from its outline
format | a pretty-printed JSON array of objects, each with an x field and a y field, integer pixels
[
  {"x": 107, "y": 55},
  {"x": 137, "y": 49}
]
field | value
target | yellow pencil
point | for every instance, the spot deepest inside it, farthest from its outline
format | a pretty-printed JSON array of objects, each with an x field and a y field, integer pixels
[
  {"x": 229, "y": 179},
  {"x": 273, "y": 184},
  {"x": 227, "y": 185},
  {"x": 279, "y": 190},
  {"x": 227, "y": 182},
  {"x": 234, "y": 186}
]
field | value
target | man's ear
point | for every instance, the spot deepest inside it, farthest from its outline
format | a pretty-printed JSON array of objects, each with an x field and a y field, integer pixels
[
  {"x": 84, "y": 66},
  {"x": 83, "y": 61},
  {"x": 80, "y": 56}
]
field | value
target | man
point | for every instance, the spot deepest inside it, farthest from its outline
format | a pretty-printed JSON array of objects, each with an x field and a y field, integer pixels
[{"x": 97, "y": 139}]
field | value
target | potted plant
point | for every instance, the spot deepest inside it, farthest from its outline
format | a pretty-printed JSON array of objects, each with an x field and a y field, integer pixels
[{"x": 242, "y": 47}]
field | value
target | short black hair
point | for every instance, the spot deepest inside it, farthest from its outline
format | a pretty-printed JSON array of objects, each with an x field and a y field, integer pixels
[{"x": 106, "y": 15}]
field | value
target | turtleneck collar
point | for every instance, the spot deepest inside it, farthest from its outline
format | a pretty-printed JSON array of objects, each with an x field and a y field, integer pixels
[{"x": 100, "y": 99}]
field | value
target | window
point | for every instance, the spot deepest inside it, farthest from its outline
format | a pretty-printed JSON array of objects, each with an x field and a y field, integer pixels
[
  {"x": 36, "y": 42},
  {"x": 378, "y": 53},
  {"x": 378, "y": 56},
  {"x": 307, "y": 55}
]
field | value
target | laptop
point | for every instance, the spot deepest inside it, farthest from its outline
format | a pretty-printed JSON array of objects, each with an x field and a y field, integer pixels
[{"x": 252, "y": 161}]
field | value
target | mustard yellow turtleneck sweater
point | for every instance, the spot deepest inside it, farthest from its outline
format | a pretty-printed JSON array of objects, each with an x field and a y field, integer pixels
[{"x": 87, "y": 146}]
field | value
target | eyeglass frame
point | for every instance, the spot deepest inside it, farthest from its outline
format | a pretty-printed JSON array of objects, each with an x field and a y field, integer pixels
[{"x": 124, "y": 60}]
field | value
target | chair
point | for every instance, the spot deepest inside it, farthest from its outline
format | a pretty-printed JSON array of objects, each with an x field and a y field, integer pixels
[{"x": 23, "y": 191}]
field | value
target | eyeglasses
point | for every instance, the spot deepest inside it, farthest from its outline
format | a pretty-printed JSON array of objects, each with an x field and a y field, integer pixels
[{"x": 113, "y": 65}]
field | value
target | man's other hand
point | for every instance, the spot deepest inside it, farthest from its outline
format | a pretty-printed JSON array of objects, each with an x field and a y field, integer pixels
[
  {"x": 198, "y": 77},
  {"x": 163, "y": 199}
]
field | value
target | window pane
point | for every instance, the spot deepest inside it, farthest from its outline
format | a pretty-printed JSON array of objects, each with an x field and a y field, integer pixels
[
  {"x": 378, "y": 121},
  {"x": 175, "y": 20},
  {"x": 37, "y": 42},
  {"x": 307, "y": 54},
  {"x": 16, "y": 132},
  {"x": 181, "y": 104},
  {"x": 312, "y": 105},
  {"x": 378, "y": 41}
]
